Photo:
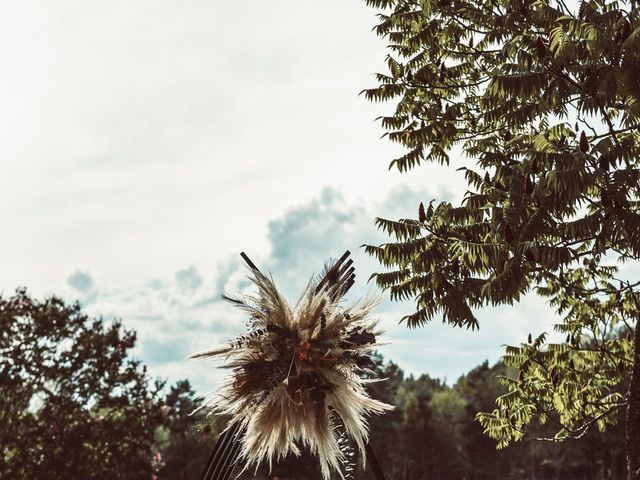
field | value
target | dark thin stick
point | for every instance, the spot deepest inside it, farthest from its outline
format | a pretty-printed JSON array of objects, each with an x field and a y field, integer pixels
[
  {"x": 339, "y": 287},
  {"x": 344, "y": 283},
  {"x": 349, "y": 284},
  {"x": 218, "y": 449},
  {"x": 345, "y": 276},
  {"x": 373, "y": 461},
  {"x": 343, "y": 257},
  {"x": 332, "y": 270},
  {"x": 225, "y": 457},
  {"x": 214, "y": 450},
  {"x": 345, "y": 267},
  {"x": 235, "y": 454},
  {"x": 248, "y": 261},
  {"x": 224, "y": 439}
]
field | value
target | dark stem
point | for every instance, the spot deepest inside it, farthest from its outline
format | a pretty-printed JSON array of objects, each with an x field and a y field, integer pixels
[
  {"x": 220, "y": 459},
  {"x": 248, "y": 261},
  {"x": 334, "y": 271},
  {"x": 373, "y": 461},
  {"x": 633, "y": 413}
]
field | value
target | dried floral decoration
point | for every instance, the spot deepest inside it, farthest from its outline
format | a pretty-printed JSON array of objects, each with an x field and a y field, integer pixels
[{"x": 297, "y": 371}]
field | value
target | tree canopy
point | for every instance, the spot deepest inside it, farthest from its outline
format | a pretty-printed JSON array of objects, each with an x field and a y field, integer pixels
[
  {"x": 432, "y": 434},
  {"x": 74, "y": 404},
  {"x": 539, "y": 103}
]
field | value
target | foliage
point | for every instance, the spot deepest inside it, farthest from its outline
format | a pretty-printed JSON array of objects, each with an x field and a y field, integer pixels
[
  {"x": 183, "y": 440},
  {"x": 73, "y": 404},
  {"x": 432, "y": 434},
  {"x": 542, "y": 103},
  {"x": 573, "y": 385}
]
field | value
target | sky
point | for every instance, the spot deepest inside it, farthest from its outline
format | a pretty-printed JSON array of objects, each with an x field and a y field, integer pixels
[{"x": 145, "y": 144}]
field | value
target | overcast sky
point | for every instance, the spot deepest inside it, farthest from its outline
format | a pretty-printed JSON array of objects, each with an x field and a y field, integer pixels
[{"x": 145, "y": 144}]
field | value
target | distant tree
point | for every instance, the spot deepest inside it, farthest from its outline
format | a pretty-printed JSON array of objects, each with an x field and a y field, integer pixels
[
  {"x": 184, "y": 439},
  {"x": 448, "y": 410},
  {"x": 72, "y": 403},
  {"x": 386, "y": 430},
  {"x": 544, "y": 102},
  {"x": 480, "y": 388}
]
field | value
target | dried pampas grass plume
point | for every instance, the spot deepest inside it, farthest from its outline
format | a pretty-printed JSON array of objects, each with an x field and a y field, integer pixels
[{"x": 296, "y": 374}]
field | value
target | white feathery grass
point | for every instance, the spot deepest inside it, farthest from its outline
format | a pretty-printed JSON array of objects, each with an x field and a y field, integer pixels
[{"x": 296, "y": 372}]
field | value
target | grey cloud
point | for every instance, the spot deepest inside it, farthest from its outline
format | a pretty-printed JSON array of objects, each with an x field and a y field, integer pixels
[
  {"x": 80, "y": 281},
  {"x": 158, "y": 351},
  {"x": 174, "y": 319},
  {"x": 306, "y": 236},
  {"x": 189, "y": 279}
]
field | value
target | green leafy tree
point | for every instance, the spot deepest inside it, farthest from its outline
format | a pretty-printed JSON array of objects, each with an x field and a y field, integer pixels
[
  {"x": 72, "y": 403},
  {"x": 540, "y": 102},
  {"x": 184, "y": 440},
  {"x": 480, "y": 388},
  {"x": 386, "y": 435}
]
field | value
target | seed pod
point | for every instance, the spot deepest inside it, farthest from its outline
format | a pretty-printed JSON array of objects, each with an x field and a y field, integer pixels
[
  {"x": 529, "y": 339},
  {"x": 534, "y": 166},
  {"x": 541, "y": 48},
  {"x": 422, "y": 216},
  {"x": 528, "y": 185},
  {"x": 455, "y": 267},
  {"x": 603, "y": 163},
  {"x": 508, "y": 234},
  {"x": 584, "y": 143}
]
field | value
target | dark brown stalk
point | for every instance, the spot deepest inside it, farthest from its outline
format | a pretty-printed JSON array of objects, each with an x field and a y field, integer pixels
[
  {"x": 373, "y": 462},
  {"x": 218, "y": 455}
]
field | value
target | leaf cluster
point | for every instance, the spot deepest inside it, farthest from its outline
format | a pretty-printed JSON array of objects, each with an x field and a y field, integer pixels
[
  {"x": 541, "y": 103},
  {"x": 72, "y": 403}
]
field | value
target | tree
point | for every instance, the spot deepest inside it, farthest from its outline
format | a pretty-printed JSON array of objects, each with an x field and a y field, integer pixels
[
  {"x": 180, "y": 437},
  {"x": 543, "y": 102},
  {"x": 480, "y": 388},
  {"x": 72, "y": 403}
]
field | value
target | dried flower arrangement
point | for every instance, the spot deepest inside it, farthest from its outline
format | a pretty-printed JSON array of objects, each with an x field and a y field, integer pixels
[{"x": 297, "y": 373}]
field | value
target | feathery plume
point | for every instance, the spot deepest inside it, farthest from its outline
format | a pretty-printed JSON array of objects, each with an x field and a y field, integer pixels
[{"x": 295, "y": 374}]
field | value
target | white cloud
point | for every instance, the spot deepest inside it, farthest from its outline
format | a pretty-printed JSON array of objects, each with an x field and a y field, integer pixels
[
  {"x": 149, "y": 142},
  {"x": 189, "y": 279},
  {"x": 140, "y": 137},
  {"x": 177, "y": 318}
]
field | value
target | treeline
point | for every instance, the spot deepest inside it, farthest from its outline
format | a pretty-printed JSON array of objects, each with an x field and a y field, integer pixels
[
  {"x": 74, "y": 404},
  {"x": 433, "y": 435}
]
